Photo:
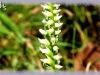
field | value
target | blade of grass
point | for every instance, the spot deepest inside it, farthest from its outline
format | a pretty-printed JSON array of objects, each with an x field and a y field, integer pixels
[
  {"x": 11, "y": 25},
  {"x": 73, "y": 45},
  {"x": 82, "y": 35}
]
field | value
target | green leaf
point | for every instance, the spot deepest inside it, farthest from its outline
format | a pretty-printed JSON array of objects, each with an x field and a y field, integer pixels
[{"x": 63, "y": 44}]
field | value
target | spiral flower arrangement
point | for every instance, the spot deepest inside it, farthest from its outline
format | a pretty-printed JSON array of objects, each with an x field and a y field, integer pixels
[{"x": 50, "y": 32}]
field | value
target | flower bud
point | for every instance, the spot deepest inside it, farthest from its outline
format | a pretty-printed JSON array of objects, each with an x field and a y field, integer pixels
[{"x": 55, "y": 48}]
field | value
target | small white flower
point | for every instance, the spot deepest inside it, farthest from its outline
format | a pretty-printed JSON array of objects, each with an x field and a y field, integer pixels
[
  {"x": 42, "y": 31},
  {"x": 50, "y": 31},
  {"x": 57, "y": 57},
  {"x": 47, "y": 13},
  {"x": 57, "y": 32},
  {"x": 55, "y": 48},
  {"x": 50, "y": 22},
  {"x": 48, "y": 60},
  {"x": 58, "y": 66},
  {"x": 56, "y": 11},
  {"x": 46, "y": 51},
  {"x": 45, "y": 61},
  {"x": 57, "y": 17},
  {"x": 45, "y": 6},
  {"x": 58, "y": 24},
  {"x": 56, "y": 5},
  {"x": 44, "y": 41}
]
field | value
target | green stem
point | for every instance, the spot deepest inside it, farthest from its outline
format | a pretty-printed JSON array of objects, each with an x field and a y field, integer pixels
[{"x": 73, "y": 46}]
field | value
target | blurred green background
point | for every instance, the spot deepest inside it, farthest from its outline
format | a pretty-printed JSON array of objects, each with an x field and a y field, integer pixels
[{"x": 19, "y": 33}]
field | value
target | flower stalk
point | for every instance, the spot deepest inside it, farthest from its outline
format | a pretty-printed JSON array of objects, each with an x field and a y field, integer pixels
[{"x": 50, "y": 32}]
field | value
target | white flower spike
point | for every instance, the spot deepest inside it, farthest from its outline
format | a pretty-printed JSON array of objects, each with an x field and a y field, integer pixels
[{"x": 51, "y": 30}]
